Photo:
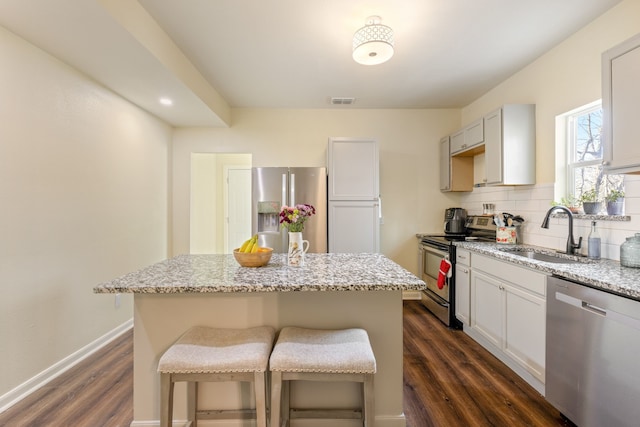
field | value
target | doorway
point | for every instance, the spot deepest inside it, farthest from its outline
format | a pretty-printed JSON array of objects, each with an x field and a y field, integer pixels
[{"x": 220, "y": 205}]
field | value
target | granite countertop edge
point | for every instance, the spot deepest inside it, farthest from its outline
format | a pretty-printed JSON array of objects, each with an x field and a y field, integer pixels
[
  {"x": 189, "y": 274},
  {"x": 604, "y": 274}
]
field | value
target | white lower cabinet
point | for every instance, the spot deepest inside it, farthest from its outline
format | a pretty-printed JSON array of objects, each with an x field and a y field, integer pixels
[
  {"x": 508, "y": 315},
  {"x": 354, "y": 227},
  {"x": 462, "y": 282},
  {"x": 525, "y": 329},
  {"x": 487, "y": 301}
]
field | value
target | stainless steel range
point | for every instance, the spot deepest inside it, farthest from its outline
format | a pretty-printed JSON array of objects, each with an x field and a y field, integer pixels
[{"x": 436, "y": 247}]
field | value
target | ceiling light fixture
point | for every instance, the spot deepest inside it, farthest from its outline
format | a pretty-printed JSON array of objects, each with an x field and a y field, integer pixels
[
  {"x": 373, "y": 43},
  {"x": 166, "y": 101}
]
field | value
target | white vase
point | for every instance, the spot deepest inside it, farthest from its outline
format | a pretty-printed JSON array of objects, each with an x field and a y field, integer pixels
[{"x": 297, "y": 249}]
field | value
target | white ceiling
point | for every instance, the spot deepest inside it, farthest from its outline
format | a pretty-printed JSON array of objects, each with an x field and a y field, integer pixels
[{"x": 214, "y": 55}]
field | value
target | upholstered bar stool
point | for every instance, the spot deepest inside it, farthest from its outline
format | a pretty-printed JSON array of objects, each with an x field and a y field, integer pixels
[
  {"x": 204, "y": 354},
  {"x": 321, "y": 355}
]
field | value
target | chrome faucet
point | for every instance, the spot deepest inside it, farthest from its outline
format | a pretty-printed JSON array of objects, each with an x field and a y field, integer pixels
[{"x": 571, "y": 244}]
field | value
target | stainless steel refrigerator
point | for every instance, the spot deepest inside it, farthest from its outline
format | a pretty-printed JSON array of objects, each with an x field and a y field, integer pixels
[{"x": 274, "y": 187}]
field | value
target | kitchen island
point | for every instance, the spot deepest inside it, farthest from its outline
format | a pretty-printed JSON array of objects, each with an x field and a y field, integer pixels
[{"x": 330, "y": 291}]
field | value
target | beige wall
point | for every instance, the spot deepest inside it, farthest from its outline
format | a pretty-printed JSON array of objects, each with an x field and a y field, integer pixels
[
  {"x": 83, "y": 190},
  {"x": 88, "y": 190},
  {"x": 409, "y": 165},
  {"x": 566, "y": 77}
]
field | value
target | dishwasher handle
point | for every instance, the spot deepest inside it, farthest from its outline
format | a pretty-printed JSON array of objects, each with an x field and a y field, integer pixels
[
  {"x": 576, "y": 302},
  {"x": 592, "y": 308}
]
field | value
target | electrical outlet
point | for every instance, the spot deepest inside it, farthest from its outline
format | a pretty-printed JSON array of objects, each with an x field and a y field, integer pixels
[{"x": 117, "y": 301}]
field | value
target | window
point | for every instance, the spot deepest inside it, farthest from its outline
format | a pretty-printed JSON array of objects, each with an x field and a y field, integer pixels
[{"x": 585, "y": 153}]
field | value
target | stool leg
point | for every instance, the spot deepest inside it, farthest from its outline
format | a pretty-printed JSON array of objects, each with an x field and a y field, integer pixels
[
  {"x": 276, "y": 397},
  {"x": 369, "y": 409},
  {"x": 166, "y": 400},
  {"x": 261, "y": 399},
  {"x": 286, "y": 403},
  {"x": 192, "y": 403}
]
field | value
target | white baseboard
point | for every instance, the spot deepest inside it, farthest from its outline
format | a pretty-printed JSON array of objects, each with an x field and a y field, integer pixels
[
  {"x": 23, "y": 390},
  {"x": 381, "y": 421},
  {"x": 156, "y": 423}
]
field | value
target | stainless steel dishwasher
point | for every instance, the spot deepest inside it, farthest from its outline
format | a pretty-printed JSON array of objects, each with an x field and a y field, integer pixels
[{"x": 593, "y": 355}]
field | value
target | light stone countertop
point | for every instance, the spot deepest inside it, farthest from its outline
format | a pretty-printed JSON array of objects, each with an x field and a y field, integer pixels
[
  {"x": 602, "y": 274},
  {"x": 221, "y": 273}
]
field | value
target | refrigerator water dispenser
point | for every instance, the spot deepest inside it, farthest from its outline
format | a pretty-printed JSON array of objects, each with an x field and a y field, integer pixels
[{"x": 268, "y": 217}]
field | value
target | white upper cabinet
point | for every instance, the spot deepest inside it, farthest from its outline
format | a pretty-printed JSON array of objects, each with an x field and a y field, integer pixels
[
  {"x": 456, "y": 173},
  {"x": 474, "y": 133},
  {"x": 620, "y": 103},
  {"x": 353, "y": 169},
  {"x": 468, "y": 138},
  {"x": 457, "y": 141},
  {"x": 510, "y": 145}
]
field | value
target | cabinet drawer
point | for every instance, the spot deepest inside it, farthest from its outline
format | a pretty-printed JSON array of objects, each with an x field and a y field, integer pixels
[
  {"x": 523, "y": 277},
  {"x": 463, "y": 257}
]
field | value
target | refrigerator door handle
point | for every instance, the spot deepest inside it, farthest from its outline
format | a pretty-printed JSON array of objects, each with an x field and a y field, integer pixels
[
  {"x": 292, "y": 189},
  {"x": 379, "y": 207},
  {"x": 284, "y": 190}
]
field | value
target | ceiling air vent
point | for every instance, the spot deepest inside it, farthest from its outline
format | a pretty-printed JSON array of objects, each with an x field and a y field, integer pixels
[{"x": 342, "y": 101}]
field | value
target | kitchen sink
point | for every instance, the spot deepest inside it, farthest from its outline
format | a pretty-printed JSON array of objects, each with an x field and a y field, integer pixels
[{"x": 558, "y": 259}]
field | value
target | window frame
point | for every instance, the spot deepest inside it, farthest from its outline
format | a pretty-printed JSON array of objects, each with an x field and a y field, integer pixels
[
  {"x": 572, "y": 163},
  {"x": 570, "y": 122}
]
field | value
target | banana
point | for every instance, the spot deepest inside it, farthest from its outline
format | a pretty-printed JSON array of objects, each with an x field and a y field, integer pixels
[
  {"x": 244, "y": 245},
  {"x": 255, "y": 248},
  {"x": 248, "y": 245},
  {"x": 253, "y": 242}
]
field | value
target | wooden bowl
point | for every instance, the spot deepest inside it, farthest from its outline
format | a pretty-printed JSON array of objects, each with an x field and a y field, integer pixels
[{"x": 257, "y": 259}]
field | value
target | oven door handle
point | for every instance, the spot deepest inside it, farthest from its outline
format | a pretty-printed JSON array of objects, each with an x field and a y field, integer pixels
[
  {"x": 435, "y": 298},
  {"x": 435, "y": 251}
]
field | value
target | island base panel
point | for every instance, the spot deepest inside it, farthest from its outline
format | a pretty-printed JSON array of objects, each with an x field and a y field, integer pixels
[{"x": 159, "y": 319}]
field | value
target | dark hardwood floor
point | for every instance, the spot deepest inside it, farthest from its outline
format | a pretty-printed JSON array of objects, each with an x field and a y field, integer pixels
[
  {"x": 449, "y": 380},
  {"x": 97, "y": 392}
]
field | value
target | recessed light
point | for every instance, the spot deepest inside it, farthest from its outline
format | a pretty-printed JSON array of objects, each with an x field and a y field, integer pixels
[{"x": 166, "y": 101}]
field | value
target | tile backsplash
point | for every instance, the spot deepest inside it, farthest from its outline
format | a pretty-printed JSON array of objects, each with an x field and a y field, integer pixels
[{"x": 532, "y": 203}]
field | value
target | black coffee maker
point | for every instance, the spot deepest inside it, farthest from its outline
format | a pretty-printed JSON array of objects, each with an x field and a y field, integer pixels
[{"x": 454, "y": 221}]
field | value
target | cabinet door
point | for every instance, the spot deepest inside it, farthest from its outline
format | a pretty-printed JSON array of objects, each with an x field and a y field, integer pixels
[
  {"x": 493, "y": 146},
  {"x": 487, "y": 307},
  {"x": 354, "y": 227},
  {"x": 463, "y": 293},
  {"x": 621, "y": 96},
  {"x": 445, "y": 165},
  {"x": 457, "y": 141},
  {"x": 525, "y": 330},
  {"x": 474, "y": 133},
  {"x": 353, "y": 169}
]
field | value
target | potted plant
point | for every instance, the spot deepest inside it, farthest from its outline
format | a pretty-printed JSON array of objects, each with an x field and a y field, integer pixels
[
  {"x": 615, "y": 202},
  {"x": 590, "y": 202},
  {"x": 569, "y": 202}
]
